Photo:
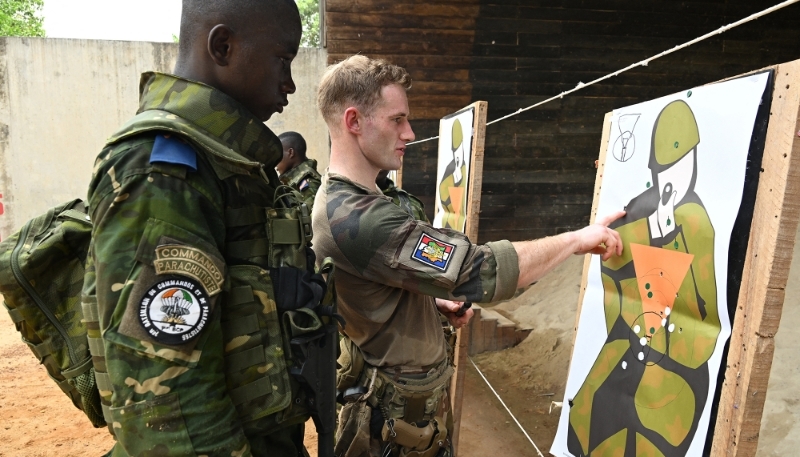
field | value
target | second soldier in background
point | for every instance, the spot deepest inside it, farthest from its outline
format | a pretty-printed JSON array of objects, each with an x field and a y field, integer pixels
[{"x": 296, "y": 170}]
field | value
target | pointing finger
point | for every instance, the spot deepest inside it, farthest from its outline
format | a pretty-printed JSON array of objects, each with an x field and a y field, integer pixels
[{"x": 609, "y": 218}]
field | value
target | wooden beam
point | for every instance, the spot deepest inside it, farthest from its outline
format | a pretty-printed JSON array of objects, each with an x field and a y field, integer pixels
[
  {"x": 766, "y": 271},
  {"x": 598, "y": 184},
  {"x": 471, "y": 230}
]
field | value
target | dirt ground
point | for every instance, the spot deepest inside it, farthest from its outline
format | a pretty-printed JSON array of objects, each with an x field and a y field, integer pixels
[{"x": 38, "y": 420}]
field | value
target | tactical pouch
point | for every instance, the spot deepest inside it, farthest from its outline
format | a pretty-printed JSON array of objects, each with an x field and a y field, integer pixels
[
  {"x": 255, "y": 356},
  {"x": 41, "y": 276},
  {"x": 413, "y": 400},
  {"x": 412, "y": 441},
  {"x": 291, "y": 259},
  {"x": 353, "y": 435},
  {"x": 351, "y": 364}
]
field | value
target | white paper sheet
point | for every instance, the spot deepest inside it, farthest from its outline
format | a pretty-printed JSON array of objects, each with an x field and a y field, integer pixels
[
  {"x": 452, "y": 175},
  {"x": 725, "y": 114}
]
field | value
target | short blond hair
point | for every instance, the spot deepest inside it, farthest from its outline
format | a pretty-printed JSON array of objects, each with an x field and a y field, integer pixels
[{"x": 357, "y": 81}]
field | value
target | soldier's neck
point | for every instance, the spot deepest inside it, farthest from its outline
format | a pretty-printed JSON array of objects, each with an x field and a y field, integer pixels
[{"x": 349, "y": 161}]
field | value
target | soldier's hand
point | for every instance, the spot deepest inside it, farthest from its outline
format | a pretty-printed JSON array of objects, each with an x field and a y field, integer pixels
[
  {"x": 599, "y": 239},
  {"x": 449, "y": 308}
]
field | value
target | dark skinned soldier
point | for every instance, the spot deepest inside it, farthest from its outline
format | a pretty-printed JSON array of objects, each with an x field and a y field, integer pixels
[
  {"x": 396, "y": 274},
  {"x": 179, "y": 276},
  {"x": 296, "y": 169}
]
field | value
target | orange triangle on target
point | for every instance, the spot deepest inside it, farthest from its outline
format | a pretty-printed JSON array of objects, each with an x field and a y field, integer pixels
[
  {"x": 659, "y": 273},
  {"x": 456, "y": 198}
]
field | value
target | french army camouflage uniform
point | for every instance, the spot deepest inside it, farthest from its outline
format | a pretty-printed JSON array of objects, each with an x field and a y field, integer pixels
[
  {"x": 191, "y": 360},
  {"x": 389, "y": 269},
  {"x": 661, "y": 329},
  {"x": 305, "y": 179},
  {"x": 405, "y": 200}
]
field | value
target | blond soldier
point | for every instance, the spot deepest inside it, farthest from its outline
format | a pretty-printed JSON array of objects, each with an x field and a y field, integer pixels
[{"x": 396, "y": 274}]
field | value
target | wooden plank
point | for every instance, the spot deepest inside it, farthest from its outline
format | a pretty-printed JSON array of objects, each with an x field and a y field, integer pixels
[
  {"x": 473, "y": 213},
  {"x": 507, "y": 336},
  {"x": 489, "y": 334},
  {"x": 430, "y": 62},
  {"x": 598, "y": 184},
  {"x": 375, "y": 19},
  {"x": 406, "y": 47},
  {"x": 476, "y": 332},
  {"x": 404, "y": 9},
  {"x": 766, "y": 269},
  {"x": 383, "y": 33}
]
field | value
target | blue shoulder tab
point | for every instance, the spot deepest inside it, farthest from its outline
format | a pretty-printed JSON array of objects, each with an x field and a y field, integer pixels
[{"x": 170, "y": 149}]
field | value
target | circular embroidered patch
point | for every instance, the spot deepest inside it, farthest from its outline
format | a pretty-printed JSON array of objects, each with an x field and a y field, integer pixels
[{"x": 174, "y": 311}]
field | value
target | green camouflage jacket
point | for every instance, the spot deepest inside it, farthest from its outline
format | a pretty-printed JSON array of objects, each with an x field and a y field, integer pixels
[
  {"x": 191, "y": 360},
  {"x": 403, "y": 199},
  {"x": 389, "y": 267},
  {"x": 305, "y": 179}
]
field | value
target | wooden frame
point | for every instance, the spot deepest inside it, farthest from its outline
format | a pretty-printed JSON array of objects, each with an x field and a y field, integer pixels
[
  {"x": 766, "y": 270},
  {"x": 471, "y": 230}
]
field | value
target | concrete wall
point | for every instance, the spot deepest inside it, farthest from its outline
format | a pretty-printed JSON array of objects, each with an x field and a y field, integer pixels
[
  {"x": 302, "y": 115},
  {"x": 60, "y": 99}
]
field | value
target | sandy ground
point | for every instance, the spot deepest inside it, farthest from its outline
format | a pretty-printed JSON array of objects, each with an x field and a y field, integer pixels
[{"x": 38, "y": 420}]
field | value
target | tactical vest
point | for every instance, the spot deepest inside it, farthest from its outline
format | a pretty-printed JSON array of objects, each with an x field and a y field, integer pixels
[
  {"x": 296, "y": 175},
  {"x": 274, "y": 272}
]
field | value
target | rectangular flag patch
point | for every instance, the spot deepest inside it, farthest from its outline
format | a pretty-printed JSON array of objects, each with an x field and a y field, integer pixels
[{"x": 433, "y": 252}]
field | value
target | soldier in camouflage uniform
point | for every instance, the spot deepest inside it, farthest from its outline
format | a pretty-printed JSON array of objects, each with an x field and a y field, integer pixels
[
  {"x": 179, "y": 287},
  {"x": 400, "y": 197},
  {"x": 662, "y": 320},
  {"x": 396, "y": 274},
  {"x": 296, "y": 170}
]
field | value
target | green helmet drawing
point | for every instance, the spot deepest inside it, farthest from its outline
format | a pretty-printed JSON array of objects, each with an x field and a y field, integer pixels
[
  {"x": 675, "y": 133},
  {"x": 458, "y": 135}
]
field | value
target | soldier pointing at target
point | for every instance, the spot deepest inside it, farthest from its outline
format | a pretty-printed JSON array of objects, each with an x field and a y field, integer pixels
[{"x": 395, "y": 274}]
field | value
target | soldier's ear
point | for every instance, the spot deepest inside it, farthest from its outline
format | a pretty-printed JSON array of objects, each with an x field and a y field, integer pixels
[
  {"x": 353, "y": 122},
  {"x": 290, "y": 153},
  {"x": 220, "y": 44}
]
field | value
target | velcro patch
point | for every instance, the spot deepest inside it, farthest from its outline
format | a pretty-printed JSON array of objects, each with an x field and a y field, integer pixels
[
  {"x": 174, "y": 311},
  {"x": 433, "y": 252},
  {"x": 192, "y": 262},
  {"x": 172, "y": 149}
]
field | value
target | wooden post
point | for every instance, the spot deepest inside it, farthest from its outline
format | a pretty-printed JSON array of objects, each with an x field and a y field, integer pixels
[
  {"x": 766, "y": 270},
  {"x": 598, "y": 184},
  {"x": 471, "y": 230}
]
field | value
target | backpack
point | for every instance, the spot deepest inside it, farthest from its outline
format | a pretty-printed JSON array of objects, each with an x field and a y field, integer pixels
[{"x": 41, "y": 276}]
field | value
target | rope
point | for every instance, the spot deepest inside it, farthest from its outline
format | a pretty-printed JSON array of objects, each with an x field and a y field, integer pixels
[
  {"x": 504, "y": 404},
  {"x": 642, "y": 63}
]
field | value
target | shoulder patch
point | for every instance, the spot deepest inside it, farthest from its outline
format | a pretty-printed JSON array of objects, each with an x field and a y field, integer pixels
[
  {"x": 433, "y": 252},
  {"x": 188, "y": 261},
  {"x": 174, "y": 311},
  {"x": 171, "y": 149},
  {"x": 303, "y": 185}
]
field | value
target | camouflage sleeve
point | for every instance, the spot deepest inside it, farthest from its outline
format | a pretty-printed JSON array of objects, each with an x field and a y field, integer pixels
[
  {"x": 310, "y": 191},
  {"x": 382, "y": 243},
  {"x": 158, "y": 277}
]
